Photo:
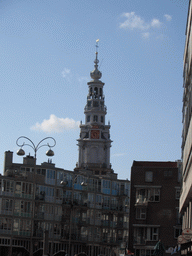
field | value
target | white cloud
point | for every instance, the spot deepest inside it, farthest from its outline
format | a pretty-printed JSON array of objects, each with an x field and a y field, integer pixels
[
  {"x": 66, "y": 72},
  {"x": 56, "y": 124},
  {"x": 155, "y": 23},
  {"x": 168, "y": 17},
  {"x": 135, "y": 22},
  {"x": 146, "y": 35}
]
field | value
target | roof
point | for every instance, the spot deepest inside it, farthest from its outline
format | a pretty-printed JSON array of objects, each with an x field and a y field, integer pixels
[{"x": 155, "y": 164}]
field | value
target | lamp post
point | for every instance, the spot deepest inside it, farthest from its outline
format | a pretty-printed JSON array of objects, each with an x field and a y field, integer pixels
[
  {"x": 64, "y": 183},
  {"x": 21, "y": 143},
  {"x": 21, "y": 152}
]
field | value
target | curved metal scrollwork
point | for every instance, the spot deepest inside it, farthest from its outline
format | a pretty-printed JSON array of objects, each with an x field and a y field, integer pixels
[{"x": 32, "y": 145}]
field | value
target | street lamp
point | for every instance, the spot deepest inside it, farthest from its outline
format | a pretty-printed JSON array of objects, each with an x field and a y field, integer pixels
[
  {"x": 21, "y": 152},
  {"x": 49, "y": 153}
]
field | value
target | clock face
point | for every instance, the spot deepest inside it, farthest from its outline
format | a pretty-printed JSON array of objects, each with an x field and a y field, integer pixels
[{"x": 94, "y": 134}]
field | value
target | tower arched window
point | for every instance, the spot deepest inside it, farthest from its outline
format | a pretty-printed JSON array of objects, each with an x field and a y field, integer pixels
[
  {"x": 96, "y": 91},
  {"x": 95, "y": 118}
]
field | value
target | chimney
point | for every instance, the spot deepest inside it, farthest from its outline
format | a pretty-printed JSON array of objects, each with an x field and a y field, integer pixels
[{"x": 8, "y": 160}]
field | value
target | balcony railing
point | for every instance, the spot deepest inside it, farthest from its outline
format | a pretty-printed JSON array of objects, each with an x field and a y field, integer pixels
[
  {"x": 23, "y": 195},
  {"x": 139, "y": 240},
  {"x": 7, "y": 193},
  {"x": 6, "y": 212},
  {"x": 5, "y": 231},
  {"x": 22, "y": 233},
  {"x": 49, "y": 216},
  {"x": 39, "y": 215},
  {"x": 23, "y": 214}
]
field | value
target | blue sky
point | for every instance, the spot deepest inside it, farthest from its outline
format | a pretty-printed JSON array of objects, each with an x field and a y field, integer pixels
[{"x": 47, "y": 50}]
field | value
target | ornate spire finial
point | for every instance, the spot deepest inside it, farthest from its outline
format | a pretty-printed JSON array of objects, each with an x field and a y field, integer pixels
[
  {"x": 96, "y": 74},
  {"x": 96, "y": 60}
]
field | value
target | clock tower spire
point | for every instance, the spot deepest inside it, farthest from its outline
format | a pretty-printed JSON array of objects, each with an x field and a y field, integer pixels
[{"x": 94, "y": 142}]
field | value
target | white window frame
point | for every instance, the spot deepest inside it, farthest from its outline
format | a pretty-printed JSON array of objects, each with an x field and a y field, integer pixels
[{"x": 141, "y": 213}]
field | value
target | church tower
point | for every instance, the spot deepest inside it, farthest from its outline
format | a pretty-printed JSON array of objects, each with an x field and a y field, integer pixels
[{"x": 94, "y": 142}]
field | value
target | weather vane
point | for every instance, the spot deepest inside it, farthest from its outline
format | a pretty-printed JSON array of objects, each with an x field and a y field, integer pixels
[{"x": 97, "y": 41}]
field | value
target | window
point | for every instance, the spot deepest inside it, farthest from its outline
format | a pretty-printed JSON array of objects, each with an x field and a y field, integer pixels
[
  {"x": 147, "y": 194},
  {"x": 27, "y": 188},
  {"x": 127, "y": 189},
  {"x": 168, "y": 173},
  {"x": 177, "y": 232},
  {"x": 143, "y": 252},
  {"x": 148, "y": 176},
  {"x": 22, "y": 208},
  {"x": 25, "y": 225},
  {"x": 114, "y": 203},
  {"x": 8, "y": 205},
  {"x": 88, "y": 118},
  {"x": 95, "y": 118},
  {"x": 50, "y": 174},
  {"x": 177, "y": 196},
  {"x": 41, "y": 171},
  {"x": 143, "y": 234},
  {"x": 106, "y": 201},
  {"x": 18, "y": 188},
  {"x": 102, "y": 119},
  {"x": 95, "y": 90},
  {"x": 68, "y": 195},
  {"x": 5, "y": 223},
  {"x": 106, "y": 183},
  {"x": 141, "y": 213},
  {"x": 91, "y": 197},
  {"x": 50, "y": 177},
  {"x": 58, "y": 193},
  {"x": 139, "y": 235},
  {"x": 178, "y": 217},
  {"x": 98, "y": 199},
  {"x": 156, "y": 195},
  {"x": 47, "y": 191},
  {"x": 7, "y": 186},
  {"x": 154, "y": 234}
]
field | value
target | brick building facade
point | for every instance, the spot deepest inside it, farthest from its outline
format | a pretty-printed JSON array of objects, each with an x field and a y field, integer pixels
[{"x": 154, "y": 206}]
